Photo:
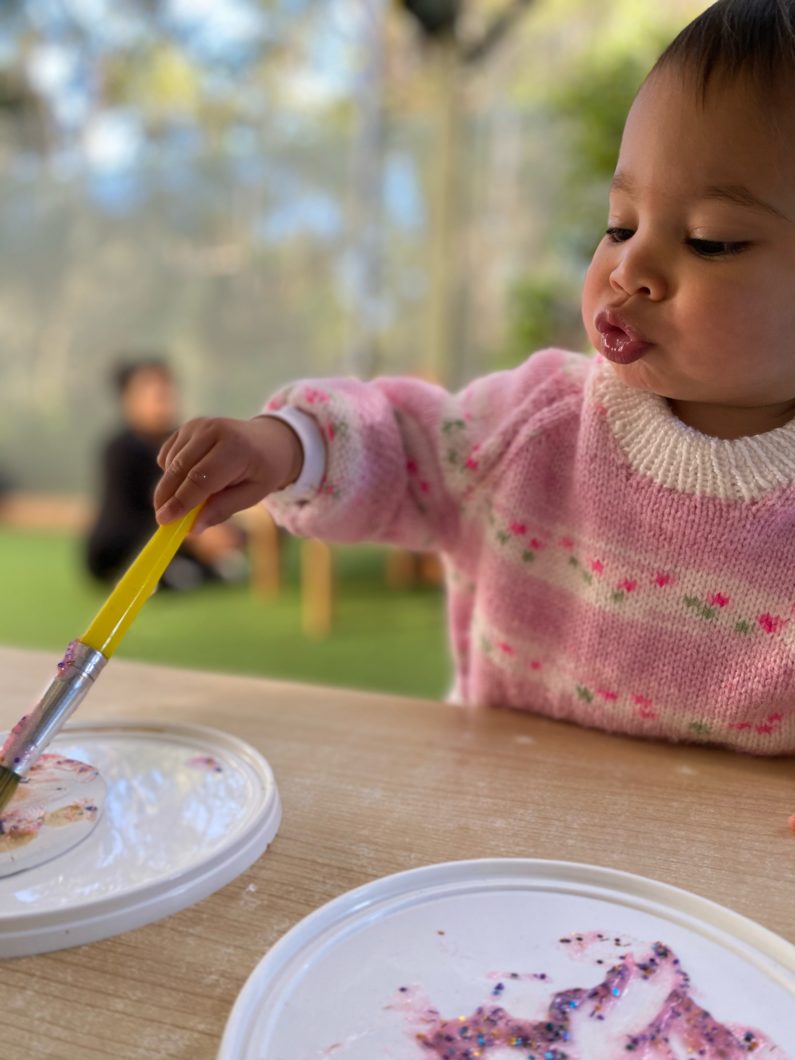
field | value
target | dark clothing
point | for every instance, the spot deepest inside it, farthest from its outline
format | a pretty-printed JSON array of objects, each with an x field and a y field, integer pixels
[{"x": 126, "y": 518}]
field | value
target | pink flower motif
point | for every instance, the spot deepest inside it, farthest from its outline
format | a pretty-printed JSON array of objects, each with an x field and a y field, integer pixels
[
  {"x": 642, "y": 701},
  {"x": 568, "y": 542},
  {"x": 471, "y": 464},
  {"x": 535, "y": 664},
  {"x": 314, "y": 396},
  {"x": 772, "y": 623},
  {"x": 330, "y": 432},
  {"x": 536, "y": 544},
  {"x": 719, "y": 599},
  {"x": 763, "y": 730},
  {"x": 597, "y": 566},
  {"x": 606, "y": 694},
  {"x": 278, "y": 403},
  {"x": 411, "y": 466},
  {"x": 628, "y": 584},
  {"x": 646, "y": 712},
  {"x": 519, "y": 529},
  {"x": 505, "y": 647},
  {"x": 740, "y": 725},
  {"x": 662, "y": 579},
  {"x": 425, "y": 486},
  {"x": 778, "y": 716}
]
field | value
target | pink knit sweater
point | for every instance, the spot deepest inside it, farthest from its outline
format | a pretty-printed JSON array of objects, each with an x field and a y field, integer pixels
[{"x": 605, "y": 563}]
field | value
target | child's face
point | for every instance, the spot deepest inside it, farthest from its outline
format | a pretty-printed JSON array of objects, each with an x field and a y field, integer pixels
[
  {"x": 707, "y": 282},
  {"x": 150, "y": 401}
]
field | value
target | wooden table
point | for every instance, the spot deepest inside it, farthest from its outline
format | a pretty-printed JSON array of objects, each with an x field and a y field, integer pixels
[{"x": 374, "y": 784}]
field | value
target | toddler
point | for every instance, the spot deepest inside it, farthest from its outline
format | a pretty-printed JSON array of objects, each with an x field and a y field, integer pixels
[{"x": 618, "y": 531}]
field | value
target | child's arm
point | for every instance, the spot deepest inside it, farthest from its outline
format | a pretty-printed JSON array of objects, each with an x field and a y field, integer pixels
[{"x": 402, "y": 457}]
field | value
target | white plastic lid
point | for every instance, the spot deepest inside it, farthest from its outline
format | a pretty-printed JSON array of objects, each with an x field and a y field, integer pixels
[
  {"x": 367, "y": 973},
  {"x": 187, "y": 810}
]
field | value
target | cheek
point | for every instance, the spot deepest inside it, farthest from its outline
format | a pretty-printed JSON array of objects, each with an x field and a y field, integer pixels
[
  {"x": 593, "y": 294},
  {"x": 731, "y": 314}
]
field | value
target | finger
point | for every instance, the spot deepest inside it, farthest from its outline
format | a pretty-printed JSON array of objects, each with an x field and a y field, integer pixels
[
  {"x": 167, "y": 447},
  {"x": 225, "y": 503},
  {"x": 202, "y": 479},
  {"x": 180, "y": 463}
]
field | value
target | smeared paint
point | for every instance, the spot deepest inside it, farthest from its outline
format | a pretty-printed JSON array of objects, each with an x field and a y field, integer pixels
[
  {"x": 38, "y": 801},
  {"x": 642, "y": 1008}
]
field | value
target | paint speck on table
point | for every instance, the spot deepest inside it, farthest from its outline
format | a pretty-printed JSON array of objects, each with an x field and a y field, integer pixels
[
  {"x": 642, "y": 1008},
  {"x": 212, "y": 765}
]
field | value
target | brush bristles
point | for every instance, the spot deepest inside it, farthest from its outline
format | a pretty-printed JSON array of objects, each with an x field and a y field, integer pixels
[{"x": 8, "y": 785}]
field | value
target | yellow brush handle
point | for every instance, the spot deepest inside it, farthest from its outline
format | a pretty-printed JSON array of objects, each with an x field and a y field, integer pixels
[{"x": 136, "y": 586}]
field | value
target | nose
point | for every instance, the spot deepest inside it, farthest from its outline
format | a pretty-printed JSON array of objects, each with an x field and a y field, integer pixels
[{"x": 639, "y": 269}]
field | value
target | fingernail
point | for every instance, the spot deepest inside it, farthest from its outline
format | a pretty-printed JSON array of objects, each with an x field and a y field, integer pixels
[{"x": 164, "y": 514}]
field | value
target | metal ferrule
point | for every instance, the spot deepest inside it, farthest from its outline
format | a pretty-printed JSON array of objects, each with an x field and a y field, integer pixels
[{"x": 32, "y": 733}]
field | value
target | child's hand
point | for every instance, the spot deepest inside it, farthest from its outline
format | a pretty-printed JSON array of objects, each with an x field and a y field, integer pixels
[{"x": 229, "y": 464}]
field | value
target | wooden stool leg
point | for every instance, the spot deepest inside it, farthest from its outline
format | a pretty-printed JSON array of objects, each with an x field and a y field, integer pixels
[
  {"x": 317, "y": 588},
  {"x": 263, "y": 537},
  {"x": 401, "y": 568}
]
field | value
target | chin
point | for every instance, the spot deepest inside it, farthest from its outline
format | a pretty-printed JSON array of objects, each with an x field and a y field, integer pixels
[{"x": 640, "y": 376}]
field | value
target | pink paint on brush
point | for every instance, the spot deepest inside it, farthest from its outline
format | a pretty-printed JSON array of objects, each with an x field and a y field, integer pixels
[{"x": 642, "y": 1008}]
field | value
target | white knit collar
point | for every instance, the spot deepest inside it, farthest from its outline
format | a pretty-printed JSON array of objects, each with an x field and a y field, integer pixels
[{"x": 659, "y": 445}]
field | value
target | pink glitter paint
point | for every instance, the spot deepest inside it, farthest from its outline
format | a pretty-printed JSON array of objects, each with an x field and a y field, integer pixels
[{"x": 641, "y": 1008}]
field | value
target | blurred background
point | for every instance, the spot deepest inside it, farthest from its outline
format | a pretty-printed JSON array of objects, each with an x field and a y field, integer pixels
[{"x": 256, "y": 190}]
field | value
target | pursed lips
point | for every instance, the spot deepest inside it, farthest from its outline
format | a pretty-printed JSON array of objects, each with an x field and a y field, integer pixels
[{"x": 619, "y": 341}]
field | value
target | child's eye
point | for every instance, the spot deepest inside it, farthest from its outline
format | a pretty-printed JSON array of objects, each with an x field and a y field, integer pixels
[
  {"x": 619, "y": 235},
  {"x": 714, "y": 248}
]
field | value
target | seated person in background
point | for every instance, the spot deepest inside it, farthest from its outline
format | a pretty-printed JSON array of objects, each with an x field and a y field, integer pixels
[{"x": 125, "y": 520}]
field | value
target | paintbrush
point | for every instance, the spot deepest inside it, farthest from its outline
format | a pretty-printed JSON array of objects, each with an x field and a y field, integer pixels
[{"x": 85, "y": 658}]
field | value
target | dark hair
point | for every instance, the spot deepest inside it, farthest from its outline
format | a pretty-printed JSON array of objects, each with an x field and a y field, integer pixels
[
  {"x": 125, "y": 372},
  {"x": 754, "y": 39}
]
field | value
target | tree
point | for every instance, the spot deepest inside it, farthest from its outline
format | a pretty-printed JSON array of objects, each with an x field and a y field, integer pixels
[{"x": 450, "y": 55}]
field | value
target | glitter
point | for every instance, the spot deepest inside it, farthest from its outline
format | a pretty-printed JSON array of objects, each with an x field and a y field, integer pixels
[{"x": 491, "y": 1029}]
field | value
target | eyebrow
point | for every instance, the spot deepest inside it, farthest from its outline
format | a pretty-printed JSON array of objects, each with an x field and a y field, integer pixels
[
  {"x": 741, "y": 196},
  {"x": 736, "y": 194}
]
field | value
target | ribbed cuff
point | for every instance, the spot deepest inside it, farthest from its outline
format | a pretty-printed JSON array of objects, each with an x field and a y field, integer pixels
[{"x": 314, "y": 465}]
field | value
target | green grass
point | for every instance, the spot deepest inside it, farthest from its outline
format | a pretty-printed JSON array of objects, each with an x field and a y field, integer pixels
[{"x": 382, "y": 639}]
